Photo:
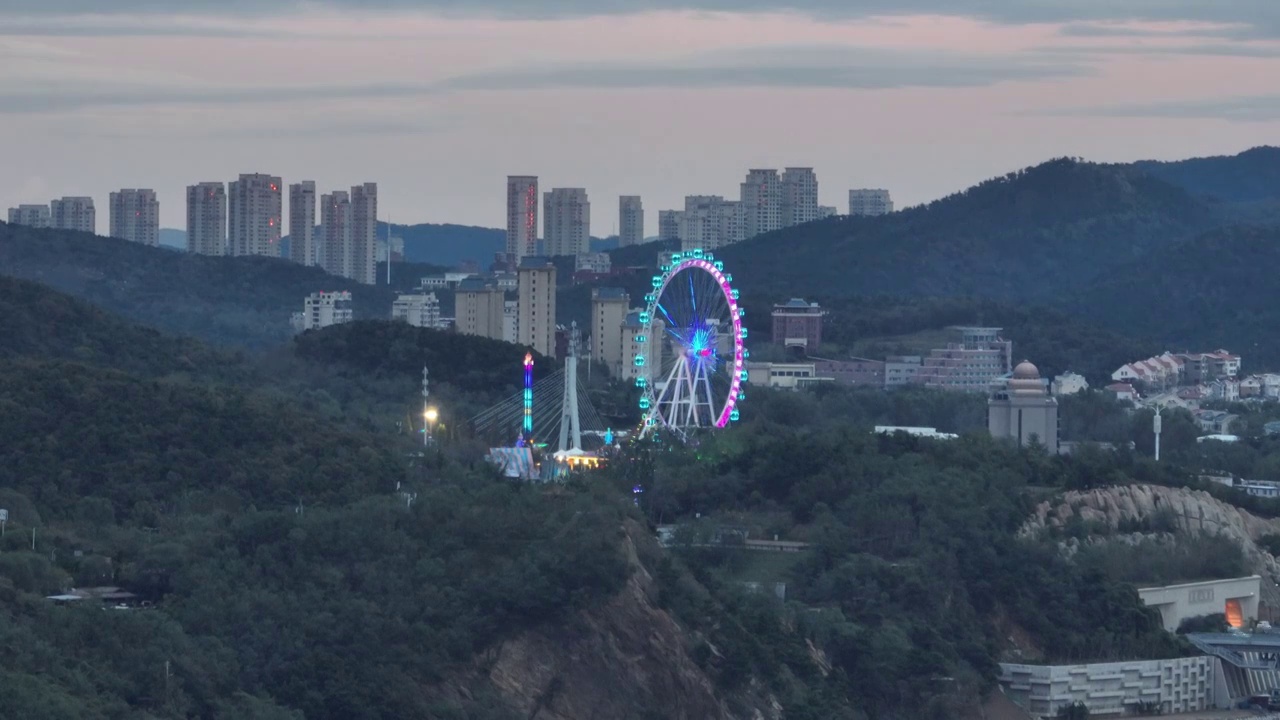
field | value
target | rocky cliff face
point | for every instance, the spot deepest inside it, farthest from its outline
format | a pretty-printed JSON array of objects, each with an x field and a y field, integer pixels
[
  {"x": 625, "y": 659},
  {"x": 1192, "y": 512}
]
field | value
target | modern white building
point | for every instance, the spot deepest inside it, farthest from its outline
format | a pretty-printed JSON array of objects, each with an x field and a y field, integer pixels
[
  {"x": 865, "y": 201},
  {"x": 1069, "y": 383},
  {"x": 135, "y": 216},
  {"x": 36, "y": 216},
  {"x": 787, "y": 376},
  {"x": 322, "y": 309},
  {"x": 335, "y": 233},
  {"x": 522, "y": 216},
  {"x": 761, "y": 202},
  {"x": 799, "y": 196},
  {"x": 73, "y": 213},
  {"x": 1178, "y": 685},
  {"x": 303, "y": 248},
  {"x": 419, "y": 310},
  {"x": 630, "y": 220},
  {"x": 255, "y": 207},
  {"x": 207, "y": 218},
  {"x": 537, "y": 298},
  {"x": 567, "y": 220},
  {"x": 1236, "y": 598}
]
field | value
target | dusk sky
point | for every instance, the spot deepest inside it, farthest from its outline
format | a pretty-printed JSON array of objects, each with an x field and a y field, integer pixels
[{"x": 439, "y": 100}]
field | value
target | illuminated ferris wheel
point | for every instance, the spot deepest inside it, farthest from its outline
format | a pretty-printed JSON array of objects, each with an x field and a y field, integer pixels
[{"x": 691, "y": 362}]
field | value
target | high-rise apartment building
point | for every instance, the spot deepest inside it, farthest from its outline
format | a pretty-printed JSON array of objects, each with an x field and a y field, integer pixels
[
  {"x": 322, "y": 309},
  {"x": 303, "y": 248},
  {"x": 255, "y": 207},
  {"x": 522, "y": 216},
  {"x": 419, "y": 310},
  {"x": 609, "y": 308},
  {"x": 799, "y": 196},
  {"x": 479, "y": 309},
  {"x": 870, "y": 202},
  {"x": 36, "y": 216},
  {"x": 668, "y": 224},
  {"x": 762, "y": 202},
  {"x": 73, "y": 213},
  {"x": 335, "y": 232},
  {"x": 709, "y": 222},
  {"x": 207, "y": 218},
  {"x": 135, "y": 216},
  {"x": 537, "y": 298},
  {"x": 630, "y": 220},
  {"x": 364, "y": 234},
  {"x": 566, "y": 216}
]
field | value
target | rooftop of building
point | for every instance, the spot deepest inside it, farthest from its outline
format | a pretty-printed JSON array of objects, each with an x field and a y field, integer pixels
[
  {"x": 536, "y": 262},
  {"x": 474, "y": 284},
  {"x": 796, "y": 303},
  {"x": 609, "y": 293}
]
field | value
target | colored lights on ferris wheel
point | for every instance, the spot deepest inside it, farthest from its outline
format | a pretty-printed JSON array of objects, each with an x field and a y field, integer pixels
[
  {"x": 639, "y": 361},
  {"x": 734, "y": 415}
]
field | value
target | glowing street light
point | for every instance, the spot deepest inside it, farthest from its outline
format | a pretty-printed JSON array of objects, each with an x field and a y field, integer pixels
[{"x": 430, "y": 415}]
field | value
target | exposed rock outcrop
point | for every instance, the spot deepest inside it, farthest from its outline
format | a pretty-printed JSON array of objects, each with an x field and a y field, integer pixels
[
  {"x": 626, "y": 658},
  {"x": 1191, "y": 512}
]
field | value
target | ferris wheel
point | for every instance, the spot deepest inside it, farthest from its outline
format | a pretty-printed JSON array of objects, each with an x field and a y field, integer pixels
[{"x": 691, "y": 362}]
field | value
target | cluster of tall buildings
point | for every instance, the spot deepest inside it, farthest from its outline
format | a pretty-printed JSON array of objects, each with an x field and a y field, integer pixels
[
  {"x": 242, "y": 217},
  {"x": 134, "y": 215},
  {"x": 481, "y": 306},
  {"x": 566, "y": 220},
  {"x": 246, "y": 217},
  {"x": 767, "y": 201}
]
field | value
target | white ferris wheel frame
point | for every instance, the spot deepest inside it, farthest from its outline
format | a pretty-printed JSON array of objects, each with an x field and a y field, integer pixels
[{"x": 685, "y": 400}]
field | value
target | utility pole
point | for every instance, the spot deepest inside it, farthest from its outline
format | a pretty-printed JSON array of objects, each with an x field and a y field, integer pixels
[{"x": 1155, "y": 426}]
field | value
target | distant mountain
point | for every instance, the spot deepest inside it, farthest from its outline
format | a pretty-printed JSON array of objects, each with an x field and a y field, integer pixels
[
  {"x": 1249, "y": 176},
  {"x": 1033, "y": 234},
  {"x": 173, "y": 238},
  {"x": 238, "y": 301}
]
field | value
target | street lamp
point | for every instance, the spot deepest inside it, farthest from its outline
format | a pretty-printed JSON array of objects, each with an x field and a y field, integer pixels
[{"x": 430, "y": 415}]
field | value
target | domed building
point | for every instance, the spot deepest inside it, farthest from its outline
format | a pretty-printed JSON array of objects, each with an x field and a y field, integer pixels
[{"x": 1021, "y": 409}]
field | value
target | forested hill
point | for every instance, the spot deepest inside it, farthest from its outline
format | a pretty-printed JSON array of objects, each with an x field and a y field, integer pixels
[
  {"x": 37, "y": 321},
  {"x": 1034, "y": 234},
  {"x": 1217, "y": 290},
  {"x": 1252, "y": 175},
  {"x": 242, "y": 301}
]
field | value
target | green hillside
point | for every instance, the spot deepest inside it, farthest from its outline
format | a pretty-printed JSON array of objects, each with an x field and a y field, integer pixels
[
  {"x": 1218, "y": 290},
  {"x": 239, "y": 301},
  {"x": 1031, "y": 235},
  {"x": 1249, "y": 176}
]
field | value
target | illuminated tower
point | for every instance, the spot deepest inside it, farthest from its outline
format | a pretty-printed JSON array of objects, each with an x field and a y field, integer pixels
[{"x": 526, "y": 430}]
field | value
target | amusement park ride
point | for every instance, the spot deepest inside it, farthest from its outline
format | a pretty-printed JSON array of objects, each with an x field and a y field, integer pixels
[{"x": 690, "y": 369}]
